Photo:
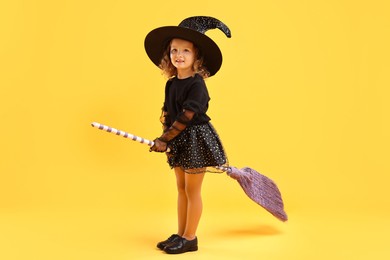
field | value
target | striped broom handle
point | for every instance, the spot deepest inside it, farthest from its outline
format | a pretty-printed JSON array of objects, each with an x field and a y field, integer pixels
[
  {"x": 140, "y": 140},
  {"x": 124, "y": 134}
]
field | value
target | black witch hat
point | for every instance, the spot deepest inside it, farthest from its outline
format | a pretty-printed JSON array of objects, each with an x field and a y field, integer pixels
[{"x": 191, "y": 29}]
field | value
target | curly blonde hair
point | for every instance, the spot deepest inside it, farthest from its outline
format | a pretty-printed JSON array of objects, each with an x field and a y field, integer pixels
[{"x": 170, "y": 71}]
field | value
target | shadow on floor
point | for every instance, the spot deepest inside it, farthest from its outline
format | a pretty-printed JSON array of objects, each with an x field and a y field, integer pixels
[{"x": 262, "y": 230}]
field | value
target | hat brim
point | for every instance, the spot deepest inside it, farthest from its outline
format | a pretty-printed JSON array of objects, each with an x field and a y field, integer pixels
[{"x": 157, "y": 40}]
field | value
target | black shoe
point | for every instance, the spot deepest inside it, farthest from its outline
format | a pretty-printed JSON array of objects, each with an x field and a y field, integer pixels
[
  {"x": 170, "y": 240},
  {"x": 182, "y": 245}
]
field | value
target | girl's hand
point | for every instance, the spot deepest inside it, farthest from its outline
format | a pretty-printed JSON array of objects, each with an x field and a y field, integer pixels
[{"x": 159, "y": 146}]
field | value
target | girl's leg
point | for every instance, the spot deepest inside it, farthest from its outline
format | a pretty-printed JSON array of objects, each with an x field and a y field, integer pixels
[
  {"x": 181, "y": 200},
  {"x": 193, "y": 187},
  {"x": 189, "y": 202}
]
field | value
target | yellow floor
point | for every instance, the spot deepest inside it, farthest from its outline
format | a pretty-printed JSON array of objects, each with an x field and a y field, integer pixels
[{"x": 232, "y": 227}]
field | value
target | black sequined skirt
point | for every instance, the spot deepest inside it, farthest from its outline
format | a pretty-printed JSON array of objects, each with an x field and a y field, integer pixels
[{"x": 198, "y": 149}]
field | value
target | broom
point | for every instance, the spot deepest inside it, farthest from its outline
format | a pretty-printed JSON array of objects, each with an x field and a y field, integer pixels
[{"x": 257, "y": 187}]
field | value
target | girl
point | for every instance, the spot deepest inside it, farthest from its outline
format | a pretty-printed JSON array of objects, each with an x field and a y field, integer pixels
[{"x": 187, "y": 56}]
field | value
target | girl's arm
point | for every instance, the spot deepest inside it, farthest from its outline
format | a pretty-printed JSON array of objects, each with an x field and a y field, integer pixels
[
  {"x": 160, "y": 144},
  {"x": 164, "y": 118}
]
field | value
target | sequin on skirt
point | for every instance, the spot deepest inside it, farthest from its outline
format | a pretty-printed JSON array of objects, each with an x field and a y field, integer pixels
[{"x": 198, "y": 149}]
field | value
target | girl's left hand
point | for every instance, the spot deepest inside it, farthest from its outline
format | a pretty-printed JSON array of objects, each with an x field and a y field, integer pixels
[{"x": 159, "y": 146}]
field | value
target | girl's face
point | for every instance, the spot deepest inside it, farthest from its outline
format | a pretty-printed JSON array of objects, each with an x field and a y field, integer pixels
[{"x": 183, "y": 55}]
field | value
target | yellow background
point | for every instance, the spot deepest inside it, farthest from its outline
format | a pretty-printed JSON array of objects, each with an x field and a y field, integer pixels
[{"x": 302, "y": 96}]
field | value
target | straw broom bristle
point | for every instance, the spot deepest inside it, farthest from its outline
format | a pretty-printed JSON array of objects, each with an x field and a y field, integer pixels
[{"x": 261, "y": 190}]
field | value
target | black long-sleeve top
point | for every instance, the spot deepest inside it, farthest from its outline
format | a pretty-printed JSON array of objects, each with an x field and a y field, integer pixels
[{"x": 189, "y": 94}]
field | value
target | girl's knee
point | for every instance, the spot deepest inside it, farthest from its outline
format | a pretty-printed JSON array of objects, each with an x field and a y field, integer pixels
[
  {"x": 193, "y": 193},
  {"x": 182, "y": 190}
]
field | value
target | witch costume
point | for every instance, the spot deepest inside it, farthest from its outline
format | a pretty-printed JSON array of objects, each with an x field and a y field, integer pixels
[{"x": 194, "y": 144}]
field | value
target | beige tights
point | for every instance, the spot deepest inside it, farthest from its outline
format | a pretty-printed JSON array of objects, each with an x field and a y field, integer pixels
[{"x": 189, "y": 202}]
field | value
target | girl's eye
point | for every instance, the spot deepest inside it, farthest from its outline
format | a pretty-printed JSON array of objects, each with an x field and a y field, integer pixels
[{"x": 173, "y": 51}]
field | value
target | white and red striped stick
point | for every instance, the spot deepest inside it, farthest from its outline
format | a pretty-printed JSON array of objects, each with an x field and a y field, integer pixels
[{"x": 123, "y": 133}]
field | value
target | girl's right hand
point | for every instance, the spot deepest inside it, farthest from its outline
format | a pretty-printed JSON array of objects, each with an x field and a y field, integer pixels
[{"x": 159, "y": 146}]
